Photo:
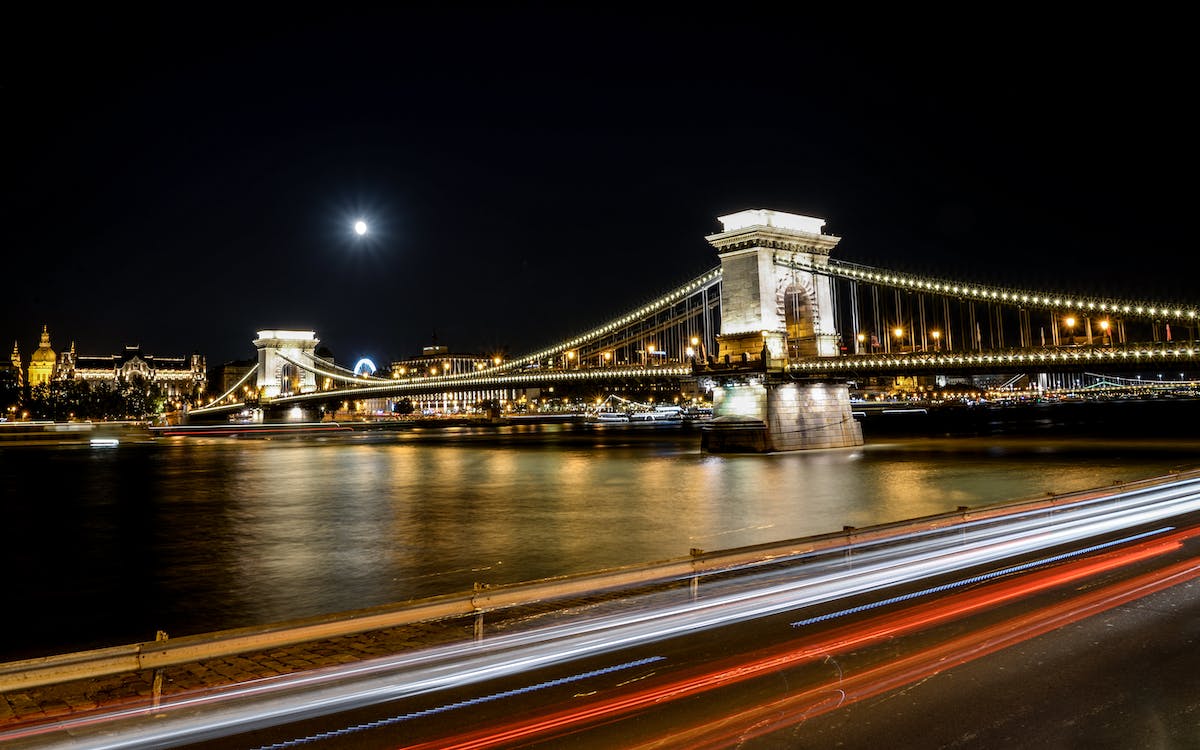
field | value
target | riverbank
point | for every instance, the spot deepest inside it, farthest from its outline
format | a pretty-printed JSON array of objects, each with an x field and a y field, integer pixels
[{"x": 1174, "y": 417}]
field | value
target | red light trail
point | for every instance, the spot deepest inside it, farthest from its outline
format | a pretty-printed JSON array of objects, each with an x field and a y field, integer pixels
[{"x": 874, "y": 681}]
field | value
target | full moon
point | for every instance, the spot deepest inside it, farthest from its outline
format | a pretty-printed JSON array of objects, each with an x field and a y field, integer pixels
[{"x": 360, "y": 227}]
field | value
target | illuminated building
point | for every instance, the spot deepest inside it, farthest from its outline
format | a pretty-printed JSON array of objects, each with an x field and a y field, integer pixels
[
  {"x": 437, "y": 361},
  {"x": 440, "y": 359},
  {"x": 175, "y": 376},
  {"x": 42, "y": 362},
  {"x": 16, "y": 365}
]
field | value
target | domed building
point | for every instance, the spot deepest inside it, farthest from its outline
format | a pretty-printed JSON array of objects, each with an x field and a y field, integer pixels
[{"x": 42, "y": 362}]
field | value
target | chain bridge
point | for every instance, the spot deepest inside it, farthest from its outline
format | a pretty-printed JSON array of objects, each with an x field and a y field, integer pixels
[{"x": 775, "y": 333}]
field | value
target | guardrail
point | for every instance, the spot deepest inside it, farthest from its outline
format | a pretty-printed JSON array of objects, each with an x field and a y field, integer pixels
[{"x": 154, "y": 655}]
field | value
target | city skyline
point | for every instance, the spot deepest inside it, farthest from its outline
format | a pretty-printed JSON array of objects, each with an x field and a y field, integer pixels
[{"x": 179, "y": 183}]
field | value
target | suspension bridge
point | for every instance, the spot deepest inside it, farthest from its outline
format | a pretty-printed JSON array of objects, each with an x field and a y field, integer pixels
[{"x": 775, "y": 332}]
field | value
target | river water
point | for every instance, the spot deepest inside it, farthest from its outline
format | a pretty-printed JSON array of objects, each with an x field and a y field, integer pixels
[{"x": 106, "y": 546}]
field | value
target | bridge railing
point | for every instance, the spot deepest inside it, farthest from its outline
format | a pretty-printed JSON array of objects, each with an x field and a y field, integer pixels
[{"x": 990, "y": 360}]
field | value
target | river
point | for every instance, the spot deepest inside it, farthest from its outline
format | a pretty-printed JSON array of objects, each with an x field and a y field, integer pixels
[{"x": 104, "y": 546}]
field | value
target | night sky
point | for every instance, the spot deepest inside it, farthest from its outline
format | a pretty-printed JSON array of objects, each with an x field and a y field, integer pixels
[{"x": 181, "y": 181}]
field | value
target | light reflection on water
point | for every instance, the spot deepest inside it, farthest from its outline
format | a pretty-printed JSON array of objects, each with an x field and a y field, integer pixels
[{"x": 209, "y": 534}]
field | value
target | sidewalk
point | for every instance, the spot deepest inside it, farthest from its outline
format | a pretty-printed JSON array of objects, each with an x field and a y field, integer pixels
[{"x": 136, "y": 689}]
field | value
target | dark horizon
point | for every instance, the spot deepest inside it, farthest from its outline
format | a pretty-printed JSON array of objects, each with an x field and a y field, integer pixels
[{"x": 181, "y": 182}]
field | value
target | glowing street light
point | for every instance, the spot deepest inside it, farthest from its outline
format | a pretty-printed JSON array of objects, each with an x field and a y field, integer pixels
[
  {"x": 937, "y": 336},
  {"x": 360, "y": 227}
]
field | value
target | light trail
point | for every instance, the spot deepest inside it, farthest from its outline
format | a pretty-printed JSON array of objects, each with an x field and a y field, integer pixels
[
  {"x": 392, "y": 720},
  {"x": 816, "y": 647},
  {"x": 822, "y": 699},
  {"x": 969, "y": 581},
  {"x": 276, "y": 700}
]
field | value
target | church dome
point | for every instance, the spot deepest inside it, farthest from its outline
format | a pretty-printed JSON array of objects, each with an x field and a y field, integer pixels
[{"x": 43, "y": 353}]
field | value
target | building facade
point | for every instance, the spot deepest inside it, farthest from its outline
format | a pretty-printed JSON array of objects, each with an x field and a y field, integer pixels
[
  {"x": 177, "y": 377},
  {"x": 434, "y": 361},
  {"x": 437, "y": 360}
]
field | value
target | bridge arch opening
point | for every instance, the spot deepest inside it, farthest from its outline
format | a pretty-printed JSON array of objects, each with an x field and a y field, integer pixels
[
  {"x": 289, "y": 379},
  {"x": 800, "y": 320}
]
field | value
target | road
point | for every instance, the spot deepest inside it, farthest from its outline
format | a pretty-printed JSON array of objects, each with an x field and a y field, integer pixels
[{"x": 1071, "y": 627}]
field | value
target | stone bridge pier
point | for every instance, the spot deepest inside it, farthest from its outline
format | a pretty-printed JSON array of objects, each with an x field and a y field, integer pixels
[{"x": 770, "y": 312}]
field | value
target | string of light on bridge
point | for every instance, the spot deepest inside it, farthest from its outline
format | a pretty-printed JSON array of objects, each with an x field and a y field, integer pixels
[
  {"x": 984, "y": 293},
  {"x": 706, "y": 281},
  {"x": 493, "y": 379},
  {"x": 930, "y": 361}
]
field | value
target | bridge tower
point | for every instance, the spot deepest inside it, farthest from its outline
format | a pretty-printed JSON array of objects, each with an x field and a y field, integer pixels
[
  {"x": 276, "y": 375},
  {"x": 772, "y": 308}
]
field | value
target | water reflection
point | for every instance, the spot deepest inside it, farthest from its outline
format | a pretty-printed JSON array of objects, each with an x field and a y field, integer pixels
[{"x": 191, "y": 536}]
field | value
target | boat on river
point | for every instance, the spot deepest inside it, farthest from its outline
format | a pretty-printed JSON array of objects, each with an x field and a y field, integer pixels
[
  {"x": 611, "y": 417},
  {"x": 249, "y": 430}
]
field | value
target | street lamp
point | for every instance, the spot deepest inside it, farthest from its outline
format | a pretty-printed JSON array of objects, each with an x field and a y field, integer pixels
[
  {"x": 937, "y": 335},
  {"x": 898, "y": 332},
  {"x": 862, "y": 339},
  {"x": 1104, "y": 332},
  {"x": 1069, "y": 321}
]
